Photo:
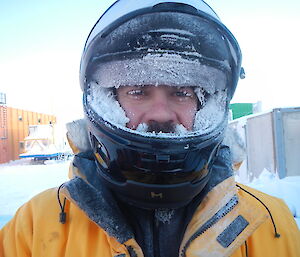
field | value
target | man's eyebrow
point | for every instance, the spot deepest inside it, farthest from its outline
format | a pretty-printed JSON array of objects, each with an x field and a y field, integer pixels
[{"x": 135, "y": 85}]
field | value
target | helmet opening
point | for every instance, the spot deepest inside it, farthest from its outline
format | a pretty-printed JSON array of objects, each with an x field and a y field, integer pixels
[{"x": 212, "y": 112}]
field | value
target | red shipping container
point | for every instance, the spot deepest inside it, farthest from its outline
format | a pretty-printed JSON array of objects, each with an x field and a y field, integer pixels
[{"x": 3, "y": 135}]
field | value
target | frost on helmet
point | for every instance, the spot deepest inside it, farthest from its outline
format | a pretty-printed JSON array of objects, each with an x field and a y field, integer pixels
[
  {"x": 212, "y": 112},
  {"x": 159, "y": 69},
  {"x": 103, "y": 101}
]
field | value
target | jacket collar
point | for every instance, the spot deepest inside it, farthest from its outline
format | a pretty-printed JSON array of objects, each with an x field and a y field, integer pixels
[{"x": 86, "y": 191}]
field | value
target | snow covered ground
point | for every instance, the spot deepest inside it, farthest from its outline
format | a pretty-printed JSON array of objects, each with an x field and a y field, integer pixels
[{"x": 20, "y": 180}]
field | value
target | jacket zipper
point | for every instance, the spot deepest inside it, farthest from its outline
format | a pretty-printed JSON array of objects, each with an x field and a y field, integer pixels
[
  {"x": 156, "y": 252},
  {"x": 213, "y": 220}
]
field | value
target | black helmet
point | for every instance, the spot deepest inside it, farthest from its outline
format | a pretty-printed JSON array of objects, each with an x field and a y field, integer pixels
[{"x": 175, "y": 43}]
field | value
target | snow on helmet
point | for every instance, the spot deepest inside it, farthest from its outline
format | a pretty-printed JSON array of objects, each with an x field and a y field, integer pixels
[{"x": 155, "y": 42}]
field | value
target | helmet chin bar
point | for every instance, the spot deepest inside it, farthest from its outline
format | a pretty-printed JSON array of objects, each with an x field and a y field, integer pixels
[
  {"x": 149, "y": 196},
  {"x": 153, "y": 196}
]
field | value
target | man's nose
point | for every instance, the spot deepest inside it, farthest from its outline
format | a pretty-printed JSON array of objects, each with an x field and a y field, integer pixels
[{"x": 160, "y": 110}]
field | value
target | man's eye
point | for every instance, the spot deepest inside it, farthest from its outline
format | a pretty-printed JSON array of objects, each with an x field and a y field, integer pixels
[
  {"x": 135, "y": 92},
  {"x": 183, "y": 93}
]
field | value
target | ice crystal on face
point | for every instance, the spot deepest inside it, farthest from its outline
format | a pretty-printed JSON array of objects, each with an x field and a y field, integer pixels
[
  {"x": 180, "y": 129},
  {"x": 212, "y": 113},
  {"x": 199, "y": 91},
  {"x": 143, "y": 127},
  {"x": 164, "y": 215}
]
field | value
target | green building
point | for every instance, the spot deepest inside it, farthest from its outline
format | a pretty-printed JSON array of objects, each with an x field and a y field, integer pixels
[{"x": 241, "y": 109}]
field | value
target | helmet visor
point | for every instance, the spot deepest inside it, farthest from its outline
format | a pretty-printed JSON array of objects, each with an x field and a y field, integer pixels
[{"x": 122, "y": 8}]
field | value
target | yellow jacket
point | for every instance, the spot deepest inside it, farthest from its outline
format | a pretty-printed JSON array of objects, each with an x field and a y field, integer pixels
[{"x": 36, "y": 231}]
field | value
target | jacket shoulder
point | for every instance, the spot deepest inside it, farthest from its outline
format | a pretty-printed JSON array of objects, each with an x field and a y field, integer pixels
[
  {"x": 36, "y": 230},
  {"x": 45, "y": 209},
  {"x": 265, "y": 201},
  {"x": 44, "y": 203},
  {"x": 279, "y": 235},
  {"x": 249, "y": 192}
]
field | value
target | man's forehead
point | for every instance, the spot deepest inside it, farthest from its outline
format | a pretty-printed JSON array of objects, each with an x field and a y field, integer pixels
[{"x": 156, "y": 86}]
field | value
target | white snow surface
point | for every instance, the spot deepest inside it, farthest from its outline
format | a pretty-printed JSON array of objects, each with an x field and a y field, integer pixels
[
  {"x": 21, "y": 180},
  {"x": 288, "y": 189}
]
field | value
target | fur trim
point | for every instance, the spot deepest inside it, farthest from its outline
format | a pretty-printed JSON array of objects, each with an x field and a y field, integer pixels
[
  {"x": 236, "y": 144},
  {"x": 78, "y": 135}
]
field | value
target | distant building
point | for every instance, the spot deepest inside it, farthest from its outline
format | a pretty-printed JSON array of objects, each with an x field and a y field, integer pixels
[
  {"x": 14, "y": 124},
  {"x": 239, "y": 110}
]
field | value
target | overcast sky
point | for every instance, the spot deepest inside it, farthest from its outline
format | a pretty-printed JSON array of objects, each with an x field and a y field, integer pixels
[{"x": 41, "y": 44}]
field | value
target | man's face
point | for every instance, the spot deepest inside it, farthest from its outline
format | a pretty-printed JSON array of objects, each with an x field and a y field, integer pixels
[{"x": 160, "y": 107}]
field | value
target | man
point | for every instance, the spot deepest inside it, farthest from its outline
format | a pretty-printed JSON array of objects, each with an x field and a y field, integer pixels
[{"x": 151, "y": 176}]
